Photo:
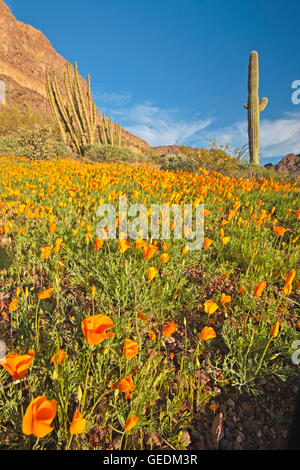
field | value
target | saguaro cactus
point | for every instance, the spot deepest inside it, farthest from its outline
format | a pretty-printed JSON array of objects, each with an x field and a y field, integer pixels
[{"x": 254, "y": 107}]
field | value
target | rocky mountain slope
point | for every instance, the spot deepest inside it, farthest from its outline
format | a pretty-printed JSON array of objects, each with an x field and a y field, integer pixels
[{"x": 25, "y": 54}]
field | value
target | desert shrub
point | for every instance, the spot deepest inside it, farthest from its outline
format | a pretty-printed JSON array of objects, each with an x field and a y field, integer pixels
[
  {"x": 15, "y": 117},
  {"x": 110, "y": 154},
  {"x": 10, "y": 146},
  {"x": 178, "y": 163},
  {"x": 37, "y": 143}
]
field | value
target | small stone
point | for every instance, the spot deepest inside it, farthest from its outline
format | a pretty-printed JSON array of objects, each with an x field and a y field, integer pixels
[
  {"x": 247, "y": 408},
  {"x": 230, "y": 403}
]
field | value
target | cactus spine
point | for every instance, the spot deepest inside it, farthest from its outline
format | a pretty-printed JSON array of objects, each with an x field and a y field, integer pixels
[
  {"x": 254, "y": 107},
  {"x": 77, "y": 118}
]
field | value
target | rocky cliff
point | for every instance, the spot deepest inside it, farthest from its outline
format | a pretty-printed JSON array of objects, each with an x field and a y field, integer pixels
[{"x": 25, "y": 54}]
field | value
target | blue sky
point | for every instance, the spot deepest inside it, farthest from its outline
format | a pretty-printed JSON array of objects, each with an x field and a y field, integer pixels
[{"x": 176, "y": 70}]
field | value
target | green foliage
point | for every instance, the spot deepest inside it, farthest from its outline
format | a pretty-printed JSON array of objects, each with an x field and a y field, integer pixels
[
  {"x": 15, "y": 117},
  {"x": 36, "y": 143},
  {"x": 110, "y": 153}
]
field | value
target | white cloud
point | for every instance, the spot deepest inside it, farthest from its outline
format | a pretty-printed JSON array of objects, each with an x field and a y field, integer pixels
[
  {"x": 149, "y": 122},
  {"x": 158, "y": 126},
  {"x": 277, "y": 136}
]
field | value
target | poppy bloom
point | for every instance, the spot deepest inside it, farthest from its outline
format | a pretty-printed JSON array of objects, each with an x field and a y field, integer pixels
[
  {"x": 152, "y": 335},
  {"x": 225, "y": 240},
  {"x": 98, "y": 244},
  {"x": 93, "y": 293},
  {"x": 259, "y": 288},
  {"x": 242, "y": 290},
  {"x": 275, "y": 329},
  {"x": 131, "y": 348},
  {"x": 290, "y": 277},
  {"x": 185, "y": 249},
  {"x": 279, "y": 231},
  {"x": 140, "y": 243},
  {"x": 123, "y": 245},
  {"x": 78, "y": 423},
  {"x": 142, "y": 316},
  {"x": 164, "y": 257},
  {"x": 207, "y": 243},
  {"x": 45, "y": 252},
  {"x": 13, "y": 305},
  {"x": 210, "y": 307},
  {"x": 94, "y": 328},
  {"x": 17, "y": 365},
  {"x": 131, "y": 422},
  {"x": 207, "y": 333},
  {"x": 45, "y": 294},
  {"x": 169, "y": 329},
  {"x": 225, "y": 299},
  {"x": 126, "y": 385},
  {"x": 58, "y": 244},
  {"x": 150, "y": 251},
  {"x": 165, "y": 246},
  {"x": 58, "y": 359},
  {"x": 52, "y": 228},
  {"x": 38, "y": 417},
  {"x": 151, "y": 273}
]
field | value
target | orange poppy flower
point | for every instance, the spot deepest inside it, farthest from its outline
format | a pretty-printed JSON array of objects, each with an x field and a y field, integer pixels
[
  {"x": 17, "y": 365},
  {"x": 169, "y": 329},
  {"x": 150, "y": 251},
  {"x": 151, "y": 273},
  {"x": 210, "y": 307},
  {"x": 260, "y": 287},
  {"x": 13, "y": 305},
  {"x": 185, "y": 249},
  {"x": 225, "y": 240},
  {"x": 275, "y": 329},
  {"x": 78, "y": 423},
  {"x": 131, "y": 349},
  {"x": 45, "y": 294},
  {"x": 126, "y": 385},
  {"x": 279, "y": 231},
  {"x": 207, "y": 243},
  {"x": 207, "y": 333},
  {"x": 58, "y": 244},
  {"x": 165, "y": 246},
  {"x": 225, "y": 299},
  {"x": 94, "y": 328},
  {"x": 60, "y": 358},
  {"x": 142, "y": 316},
  {"x": 140, "y": 243},
  {"x": 290, "y": 276},
  {"x": 38, "y": 417},
  {"x": 52, "y": 228},
  {"x": 45, "y": 252},
  {"x": 152, "y": 335},
  {"x": 164, "y": 257},
  {"x": 94, "y": 290},
  {"x": 131, "y": 422},
  {"x": 123, "y": 245},
  {"x": 242, "y": 290},
  {"x": 98, "y": 244}
]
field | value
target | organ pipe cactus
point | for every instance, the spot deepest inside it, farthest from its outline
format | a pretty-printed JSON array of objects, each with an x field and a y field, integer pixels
[
  {"x": 77, "y": 115},
  {"x": 254, "y": 107}
]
